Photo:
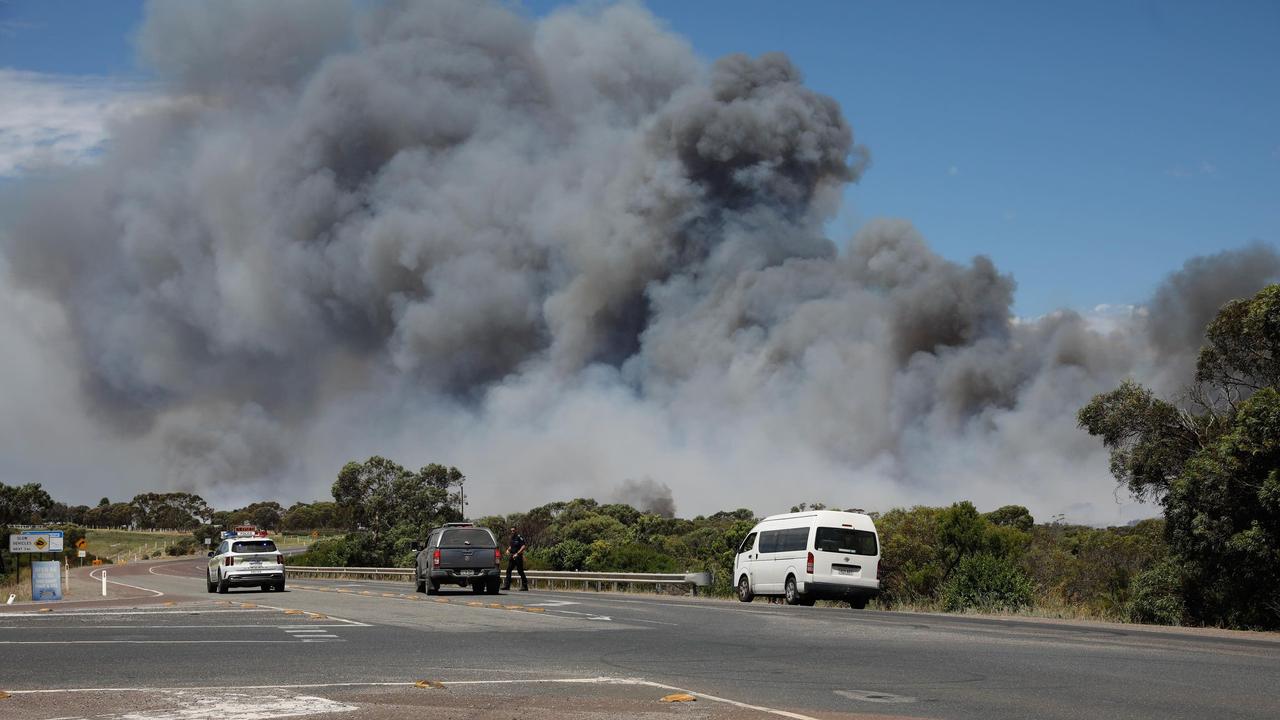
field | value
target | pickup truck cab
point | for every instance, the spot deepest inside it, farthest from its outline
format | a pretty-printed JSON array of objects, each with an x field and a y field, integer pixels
[{"x": 459, "y": 554}]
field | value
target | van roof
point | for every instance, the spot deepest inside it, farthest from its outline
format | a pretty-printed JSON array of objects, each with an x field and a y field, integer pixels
[{"x": 837, "y": 517}]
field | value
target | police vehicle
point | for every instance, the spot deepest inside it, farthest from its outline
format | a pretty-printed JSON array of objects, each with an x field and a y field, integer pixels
[{"x": 245, "y": 557}]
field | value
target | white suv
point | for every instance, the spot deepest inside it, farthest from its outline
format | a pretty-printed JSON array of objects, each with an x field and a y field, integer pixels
[{"x": 240, "y": 561}]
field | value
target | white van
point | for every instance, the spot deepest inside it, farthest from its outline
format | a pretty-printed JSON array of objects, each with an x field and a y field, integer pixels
[{"x": 808, "y": 556}]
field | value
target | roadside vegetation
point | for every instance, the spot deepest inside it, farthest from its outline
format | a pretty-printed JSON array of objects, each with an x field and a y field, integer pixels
[{"x": 1210, "y": 459}]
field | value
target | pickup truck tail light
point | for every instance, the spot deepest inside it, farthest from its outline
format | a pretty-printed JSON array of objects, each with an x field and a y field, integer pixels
[
  {"x": 435, "y": 558},
  {"x": 497, "y": 556}
]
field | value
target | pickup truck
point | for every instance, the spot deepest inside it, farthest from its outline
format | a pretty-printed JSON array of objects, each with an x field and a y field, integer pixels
[{"x": 459, "y": 554}]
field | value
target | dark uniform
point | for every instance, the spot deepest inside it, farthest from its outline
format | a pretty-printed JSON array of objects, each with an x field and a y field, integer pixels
[{"x": 515, "y": 560}]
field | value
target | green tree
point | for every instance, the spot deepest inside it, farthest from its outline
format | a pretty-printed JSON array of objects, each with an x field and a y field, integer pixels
[
  {"x": 24, "y": 504},
  {"x": 1214, "y": 467}
]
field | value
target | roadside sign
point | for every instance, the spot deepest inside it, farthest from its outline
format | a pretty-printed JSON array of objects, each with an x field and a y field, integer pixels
[
  {"x": 96, "y": 561},
  {"x": 81, "y": 544},
  {"x": 81, "y": 553},
  {"x": 208, "y": 541},
  {"x": 46, "y": 580},
  {"x": 315, "y": 533},
  {"x": 36, "y": 541}
]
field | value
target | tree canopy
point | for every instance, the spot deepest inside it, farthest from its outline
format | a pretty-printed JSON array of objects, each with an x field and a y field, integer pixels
[{"x": 1213, "y": 465}]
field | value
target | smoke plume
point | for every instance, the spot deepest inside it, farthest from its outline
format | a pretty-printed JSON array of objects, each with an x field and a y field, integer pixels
[{"x": 557, "y": 254}]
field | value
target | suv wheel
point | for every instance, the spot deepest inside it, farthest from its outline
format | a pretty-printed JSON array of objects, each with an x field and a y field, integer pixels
[
  {"x": 223, "y": 586},
  {"x": 209, "y": 585},
  {"x": 744, "y": 590}
]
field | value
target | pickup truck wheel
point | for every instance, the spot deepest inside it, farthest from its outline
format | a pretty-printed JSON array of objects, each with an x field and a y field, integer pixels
[
  {"x": 477, "y": 587},
  {"x": 422, "y": 585},
  {"x": 433, "y": 587},
  {"x": 493, "y": 586}
]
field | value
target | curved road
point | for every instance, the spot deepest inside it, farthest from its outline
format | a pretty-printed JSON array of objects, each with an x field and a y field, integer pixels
[{"x": 357, "y": 648}]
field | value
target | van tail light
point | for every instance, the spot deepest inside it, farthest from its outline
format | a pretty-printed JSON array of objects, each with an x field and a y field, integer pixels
[
  {"x": 808, "y": 566},
  {"x": 435, "y": 558},
  {"x": 877, "y": 571},
  {"x": 228, "y": 561},
  {"x": 497, "y": 556},
  {"x": 279, "y": 559}
]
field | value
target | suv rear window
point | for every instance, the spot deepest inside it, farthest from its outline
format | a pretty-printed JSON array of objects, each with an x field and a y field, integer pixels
[
  {"x": 254, "y": 546},
  {"x": 845, "y": 540},
  {"x": 466, "y": 537}
]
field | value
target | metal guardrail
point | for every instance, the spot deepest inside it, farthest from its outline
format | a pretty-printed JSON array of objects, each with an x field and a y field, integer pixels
[{"x": 551, "y": 579}]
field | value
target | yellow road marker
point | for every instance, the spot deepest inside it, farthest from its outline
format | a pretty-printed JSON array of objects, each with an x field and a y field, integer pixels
[
  {"x": 4, "y": 695},
  {"x": 45, "y": 610},
  {"x": 679, "y": 697},
  {"x": 496, "y": 606},
  {"x": 473, "y": 603},
  {"x": 317, "y": 616},
  {"x": 429, "y": 684},
  {"x": 514, "y": 607},
  {"x": 535, "y": 609},
  {"x": 442, "y": 600},
  {"x": 292, "y": 612},
  {"x": 248, "y": 606}
]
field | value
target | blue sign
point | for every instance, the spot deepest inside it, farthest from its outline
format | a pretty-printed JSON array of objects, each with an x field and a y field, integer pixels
[{"x": 46, "y": 580}]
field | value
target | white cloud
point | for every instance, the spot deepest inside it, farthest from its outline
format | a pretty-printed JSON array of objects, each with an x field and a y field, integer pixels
[{"x": 57, "y": 119}]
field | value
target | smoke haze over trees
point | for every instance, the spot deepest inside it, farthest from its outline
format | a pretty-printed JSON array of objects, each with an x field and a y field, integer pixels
[{"x": 564, "y": 254}]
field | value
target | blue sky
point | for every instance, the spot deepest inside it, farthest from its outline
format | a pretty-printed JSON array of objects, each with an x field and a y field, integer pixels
[{"x": 1089, "y": 148}]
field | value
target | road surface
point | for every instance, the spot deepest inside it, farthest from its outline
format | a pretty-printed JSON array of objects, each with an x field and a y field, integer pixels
[{"x": 379, "y": 650}]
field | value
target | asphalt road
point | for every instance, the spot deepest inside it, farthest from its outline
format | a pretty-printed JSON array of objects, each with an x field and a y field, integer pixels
[{"x": 355, "y": 649}]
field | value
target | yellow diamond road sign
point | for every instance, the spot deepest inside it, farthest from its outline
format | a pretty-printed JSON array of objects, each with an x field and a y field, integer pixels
[
  {"x": 82, "y": 544},
  {"x": 41, "y": 543}
]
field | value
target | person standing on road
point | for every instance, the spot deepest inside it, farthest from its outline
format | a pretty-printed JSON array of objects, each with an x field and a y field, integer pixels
[{"x": 515, "y": 560}]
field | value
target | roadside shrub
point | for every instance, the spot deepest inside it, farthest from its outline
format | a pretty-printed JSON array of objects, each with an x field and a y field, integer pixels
[
  {"x": 568, "y": 555},
  {"x": 1157, "y": 595},
  {"x": 986, "y": 582},
  {"x": 185, "y": 546}
]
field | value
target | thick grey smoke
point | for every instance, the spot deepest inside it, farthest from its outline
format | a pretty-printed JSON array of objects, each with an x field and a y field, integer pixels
[
  {"x": 558, "y": 255},
  {"x": 647, "y": 495}
]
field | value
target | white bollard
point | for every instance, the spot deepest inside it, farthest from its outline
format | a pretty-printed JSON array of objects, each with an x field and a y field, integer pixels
[{"x": 104, "y": 582}]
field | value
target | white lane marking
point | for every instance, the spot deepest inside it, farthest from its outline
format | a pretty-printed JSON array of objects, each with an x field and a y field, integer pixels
[
  {"x": 589, "y": 616},
  {"x": 82, "y": 628},
  {"x": 187, "y": 705},
  {"x": 552, "y": 603},
  {"x": 874, "y": 696},
  {"x": 132, "y": 642},
  {"x": 93, "y": 613},
  {"x": 117, "y": 582},
  {"x": 566, "y": 681}
]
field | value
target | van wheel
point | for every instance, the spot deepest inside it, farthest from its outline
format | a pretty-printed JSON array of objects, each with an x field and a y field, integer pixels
[
  {"x": 792, "y": 595},
  {"x": 858, "y": 603},
  {"x": 744, "y": 590}
]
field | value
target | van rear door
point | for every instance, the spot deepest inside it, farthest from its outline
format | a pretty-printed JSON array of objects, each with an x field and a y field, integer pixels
[{"x": 841, "y": 554}]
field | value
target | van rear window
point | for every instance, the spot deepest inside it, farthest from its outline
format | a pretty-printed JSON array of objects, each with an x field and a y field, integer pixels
[
  {"x": 845, "y": 540},
  {"x": 469, "y": 537}
]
